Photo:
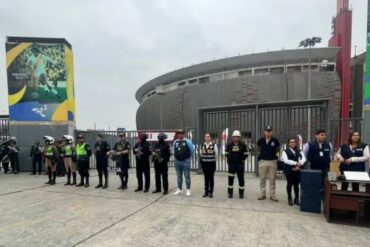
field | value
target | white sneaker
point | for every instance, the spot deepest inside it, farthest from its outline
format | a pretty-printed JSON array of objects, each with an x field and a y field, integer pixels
[
  {"x": 188, "y": 193},
  {"x": 178, "y": 192}
]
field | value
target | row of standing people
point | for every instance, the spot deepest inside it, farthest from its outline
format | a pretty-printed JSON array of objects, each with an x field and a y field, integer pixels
[{"x": 352, "y": 156}]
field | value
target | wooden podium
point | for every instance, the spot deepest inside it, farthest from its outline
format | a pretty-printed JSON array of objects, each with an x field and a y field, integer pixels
[{"x": 347, "y": 201}]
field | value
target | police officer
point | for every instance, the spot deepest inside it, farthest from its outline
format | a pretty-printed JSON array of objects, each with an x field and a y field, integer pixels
[
  {"x": 352, "y": 156},
  {"x": 121, "y": 154},
  {"x": 101, "y": 149},
  {"x": 13, "y": 155},
  {"x": 208, "y": 155},
  {"x": 36, "y": 157},
  {"x": 161, "y": 156},
  {"x": 50, "y": 157},
  {"x": 236, "y": 153},
  {"x": 142, "y": 151},
  {"x": 268, "y": 147},
  {"x": 83, "y": 152},
  {"x": 69, "y": 158},
  {"x": 318, "y": 153}
]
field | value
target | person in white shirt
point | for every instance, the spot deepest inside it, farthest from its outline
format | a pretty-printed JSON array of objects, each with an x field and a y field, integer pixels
[
  {"x": 352, "y": 156},
  {"x": 208, "y": 156},
  {"x": 294, "y": 160}
]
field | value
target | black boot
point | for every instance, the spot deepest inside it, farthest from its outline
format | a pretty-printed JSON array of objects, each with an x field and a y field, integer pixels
[
  {"x": 100, "y": 183},
  {"x": 68, "y": 178},
  {"x": 74, "y": 178},
  {"x": 49, "y": 175},
  {"x": 296, "y": 201},
  {"x": 81, "y": 183},
  {"x": 230, "y": 192},
  {"x": 87, "y": 182},
  {"x": 105, "y": 180},
  {"x": 290, "y": 201},
  {"x": 241, "y": 193},
  {"x": 205, "y": 194},
  {"x": 210, "y": 194},
  {"x": 54, "y": 176}
]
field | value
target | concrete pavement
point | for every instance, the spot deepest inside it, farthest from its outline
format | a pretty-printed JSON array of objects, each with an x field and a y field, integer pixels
[{"x": 34, "y": 214}]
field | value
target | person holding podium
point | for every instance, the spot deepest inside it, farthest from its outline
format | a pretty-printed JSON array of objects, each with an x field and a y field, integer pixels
[{"x": 352, "y": 157}]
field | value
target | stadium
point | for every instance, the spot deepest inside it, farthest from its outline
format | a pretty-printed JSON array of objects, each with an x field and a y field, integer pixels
[{"x": 172, "y": 100}]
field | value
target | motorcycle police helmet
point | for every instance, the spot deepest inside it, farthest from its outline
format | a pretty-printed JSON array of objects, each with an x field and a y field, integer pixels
[
  {"x": 69, "y": 139},
  {"x": 48, "y": 140}
]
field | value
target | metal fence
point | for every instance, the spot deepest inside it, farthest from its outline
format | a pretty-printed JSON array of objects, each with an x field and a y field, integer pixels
[
  {"x": 4, "y": 128},
  {"x": 132, "y": 137},
  {"x": 287, "y": 119}
]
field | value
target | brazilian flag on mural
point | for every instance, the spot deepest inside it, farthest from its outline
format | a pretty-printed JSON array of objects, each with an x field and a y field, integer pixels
[{"x": 40, "y": 79}]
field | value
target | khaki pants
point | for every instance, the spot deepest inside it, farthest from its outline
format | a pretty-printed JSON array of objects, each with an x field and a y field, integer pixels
[
  {"x": 267, "y": 168},
  {"x": 52, "y": 165},
  {"x": 69, "y": 164}
]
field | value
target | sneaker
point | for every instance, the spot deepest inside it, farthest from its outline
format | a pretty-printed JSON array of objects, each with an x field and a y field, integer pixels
[
  {"x": 188, "y": 193},
  {"x": 178, "y": 192}
]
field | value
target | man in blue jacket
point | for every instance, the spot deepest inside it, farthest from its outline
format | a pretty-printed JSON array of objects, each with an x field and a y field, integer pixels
[{"x": 182, "y": 149}]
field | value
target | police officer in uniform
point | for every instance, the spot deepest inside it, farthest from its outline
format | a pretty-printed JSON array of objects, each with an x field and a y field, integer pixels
[
  {"x": 121, "y": 154},
  {"x": 352, "y": 156},
  {"x": 318, "y": 153},
  {"x": 101, "y": 149},
  {"x": 83, "y": 152},
  {"x": 161, "y": 156},
  {"x": 236, "y": 153},
  {"x": 69, "y": 158},
  {"x": 208, "y": 155},
  {"x": 36, "y": 157},
  {"x": 13, "y": 155},
  {"x": 50, "y": 157},
  {"x": 142, "y": 151}
]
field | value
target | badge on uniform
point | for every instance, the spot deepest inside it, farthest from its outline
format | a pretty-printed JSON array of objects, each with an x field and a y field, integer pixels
[
  {"x": 235, "y": 149},
  {"x": 272, "y": 144},
  {"x": 321, "y": 153}
]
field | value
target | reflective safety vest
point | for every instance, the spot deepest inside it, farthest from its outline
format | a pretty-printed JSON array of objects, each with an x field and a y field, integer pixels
[
  {"x": 68, "y": 150},
  {"x": 49, "y": 151},
  {"x": 208, "y": 154},
  {"x": 81, "y": 150}
]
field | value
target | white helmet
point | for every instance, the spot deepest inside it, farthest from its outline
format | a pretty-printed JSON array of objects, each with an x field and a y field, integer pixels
[
  {"x": 49, "y": 139},
  {"x": 236, "y": 133},
  {"x": 68, "y": 138}
]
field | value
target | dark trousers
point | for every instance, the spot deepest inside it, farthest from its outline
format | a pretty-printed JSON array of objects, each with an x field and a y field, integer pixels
[
  {"x": 123, "y": 174},
  {"x": 161, "y": 170},
  {"x": 209, "y": 169},
  {"x": 14, "y": 162},
  {"x": 102, "y": 167},
  {"x": 6, "y": 166},
  {"x": 143, "y": 168},
  {"x": 293, "y": 178},
  {"x": 355, "y": 186},
  {"x": 83, "y": 169},
  {"x": 237, "y": 169},
  {"x": 38, "y": 161}
]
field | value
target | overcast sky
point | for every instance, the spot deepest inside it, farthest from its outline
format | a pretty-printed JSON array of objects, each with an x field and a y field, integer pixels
[{"x": 120, "y": 44}]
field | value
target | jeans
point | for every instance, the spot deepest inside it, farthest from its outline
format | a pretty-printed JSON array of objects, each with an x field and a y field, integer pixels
[{"x": 183, "y": 167}]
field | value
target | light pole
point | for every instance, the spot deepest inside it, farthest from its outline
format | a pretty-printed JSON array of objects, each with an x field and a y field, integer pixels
[
  {"x": 309, "y": 42},
  {"x": 160, "y": 93}
]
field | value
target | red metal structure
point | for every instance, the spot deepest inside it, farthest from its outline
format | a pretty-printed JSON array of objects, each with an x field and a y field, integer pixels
[{"x": 342, "y": 35}]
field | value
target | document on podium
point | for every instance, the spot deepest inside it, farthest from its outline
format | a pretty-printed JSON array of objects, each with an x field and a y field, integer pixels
[{"x": 357, "y": 176}]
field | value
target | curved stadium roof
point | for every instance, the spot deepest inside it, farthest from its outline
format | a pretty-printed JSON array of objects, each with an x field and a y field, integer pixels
[{"x": 239, "y": 62}]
